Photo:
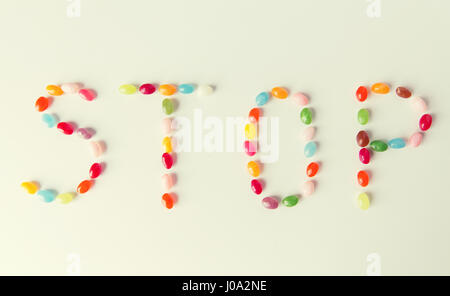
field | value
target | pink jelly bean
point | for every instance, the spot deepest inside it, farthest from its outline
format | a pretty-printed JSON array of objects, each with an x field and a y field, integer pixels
[
  {"x": 147, "y": 89},
  {"x": 419, "y": 105},
  {"x": 270, "y": 203},
  {"x": 65, "y": 128},
  {"x": 95, "y": 170},
  {"x": 167, "y": 125},
  {"x": 98, "y": 148},
  {"x": 167, "y": 160},
  {"x": 425, "y": 122},
  {"x": 364, "y": 155},
  {"x": 256, "y": 186},
  {"x": 70, "y": 88},
  {"x": 300, "y": 99},
  {"x": 309, "y": 133},
  {"x": 309, "y": 188},
  {"x": 250, "y": 148},
  {"x": 84, "y": 133},
  {"x": 87, "y": 94},
  {"x": 167, "y": 181},
  {"x": 415, "y": 139}
]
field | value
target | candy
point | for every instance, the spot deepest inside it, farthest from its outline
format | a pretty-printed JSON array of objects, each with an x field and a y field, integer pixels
[
  {"x": 363, "y": 201},
  {"x": 300, "y": 99},
  {"x": 250, "y": 148},
  {"x": 364, "y": 155},
  {"x": 415, "y": 139},
  {"x": 127, "y": 89},
  {"x": 397, "y": 143},
  {"x": 147, "y": 89},
  {"x": 50, "y": 120},
  {"x": 54, "y": 90},
  {"x": 306, "y": 116},
  {"x": 270, "y": 203},
  {"x": 167, "y": 106},
  {"x": 70, "y": 88},
  {"x": 308, "y": 188},
  {"x": 312, "y": 169},
  {"x": 279, "y": 92},
  {"x": 310, "y": 149},
  {"x": 30, "y": 187},
  {"x": 167, "y": 160},
  {"x": 253, "y": 115},
  {"x": 167, "y": 181},
  {"x": 65, "y": 198},
  {"x": 378, "y": 146},
  {"x": 65, "y": 128},
  {"x": 256, "y": 186},
  {"x": 380, "y": 88},
  {"x": 84, "y": 133},
  {"x": 361, "y": 93},
  {"x": 167, "y": 125},
  {"x": 186, "y": 88},
  {"x": 95, "y": 170},
  {"x": 250, "y": 131},
  {"x": 419, "y": 105},
  {"x": 205, "y": 90},
  {"x": 362, "y": 139},
  {"x": 167, "y": 144},
  {"x": 363, "y": 178},
  {"x": 309, "y": 133},
  {"x": 87, "y": 94},
  {"x": 42, "y": 104},
  {"x": 97, "y": 148},
  {"x": 262, "y": 98},
  {"x": 425, "y": 122},
  {"x": 403, "y": 92},
  {"x": 167, "y": 89},
  {"x": 167, "y": 200},
  {"x": 253, "y": 169},
  {"x": 290, "y": 201},
  {"x": 46, "y": 195},
  {"x": 84, "y": 186},
  {"x": 363, "y": 116}
]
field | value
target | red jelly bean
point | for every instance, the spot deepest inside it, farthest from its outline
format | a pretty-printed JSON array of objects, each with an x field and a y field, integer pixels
[
  {"x": 363, "y": 178},
  {"x": 42, "y": 104},
  {"x": 253, "y": 115},
  {"x": 361, "y": 93},
  {"x": 362, "y": 139},
  {"x": 84, "y": 186},
  {"x": 250, "y": 148},
  {"x": 167, "y": 160},
  {"x": 147, "y": 89},
  {"x": 167, "y": 200},
  {"x": 312, "y": 169},
  {"x": 256, "y": 186},
  {"x": 364, "y": 155},
  {"x": 425, "y": 122},
  {"x": 95, "y": 171},
  {"x": 65, "y": 128}
]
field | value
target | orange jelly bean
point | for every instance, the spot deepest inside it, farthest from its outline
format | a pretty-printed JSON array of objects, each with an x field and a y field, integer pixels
[
  {"x": 84, "y": 186},
  {"x": 363, "y": 178},
  {"x": 167, "y": 200},
  {"x": 253, "y": 168},
  {"x": 167, "y": 89},
  {"x": 279, "y": 92},
  {"x": 42, "y": 104},
  {"x": 312, "y": 169},
  {"x": 381, "y": 88},
  {"x": 253, "y": 115},
  {"x": 54, "y": 90}
]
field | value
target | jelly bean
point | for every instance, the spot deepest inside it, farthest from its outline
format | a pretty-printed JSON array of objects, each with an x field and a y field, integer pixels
[
  {"x": 42, "y": 104},
  {"x": 312, "y": 169},
  {"x": 361, "y": 93},
  {"x": 256, "y": 186},
  {"x": 308, "y": 188},
  {"x": 147, "y": 89},
  {"x": 253, "y": 168},
  {"x": 378, "y": 146},
  {"x": 205, "y": 90},
  {"x": 415, "y": 139},
  {"x": 84, "y": 133},
  {"x": 363, "y": 178},
  {"x": 362, "y": 139},
  {"x": 306, "y": 116},
  {"x": 50, "y": 120},
  {"x": 30, "y": 187},
  {"x": 65, "y": 198},
  {"x": 250, "y": 148},
  {"x": 425, "y": 122},
  {"x": 309, "y": 133},
  {"x": 167, "y": 125},
  {"x": 167, "y": 200},
  {"x": 186, "y": 88},
  {"x": 167, "y": 181},
  {"x": 70, "y": 88},
  {"x": 270, "y": 203},
  {"x": 95, "y": 170},
  {"x": 403, "y": 92},
  {"x": 167, "y": 160},
  {"x": 97, "y": 148},
  {"x": 279, "y": 92},
  {"x": 364, "y": 155},
  {"x": 300, "y": 99},
  {"x": 397, "y": 143},
  {"x": 250, "y": 131},
  {"x": 381, "y": 88},
  {"x": 253, "y": 115},
  {"x": 262, "y": 98},
  {"x": 84, "y": 186},
  {"x": 65, "y": 128},
  {"x": 310, "y": 149},
  {"x": 87, "y": 94},
  {"x": 47, "y": 195},
  {"x": 419, "y": 105},
  {"x": 167, "y": 89},
  {"x": 54, "y": 90},
  {"x": 167, "y": 106},
  {"x": 127, "y": 89},
  {"x": 290, "y": 201},
  {"x": 363, "y": 201},
  {"x": 167, "y": 144},
  {"x": 363, "y": 116}
]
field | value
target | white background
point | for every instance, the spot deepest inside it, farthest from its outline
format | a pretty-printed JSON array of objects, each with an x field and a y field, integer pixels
[{"x": 324, "y": 48}]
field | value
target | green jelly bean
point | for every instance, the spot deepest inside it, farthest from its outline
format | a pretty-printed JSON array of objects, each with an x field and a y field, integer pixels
[
  {"x": 127, "y": 89},
  {"x": 363, "y": 116},
  {"x": 167, "y": 106},
  {"x": 378, "y": 146},
  {"x": 306, "y": 116},
  {"x": 290, "y": 201}
]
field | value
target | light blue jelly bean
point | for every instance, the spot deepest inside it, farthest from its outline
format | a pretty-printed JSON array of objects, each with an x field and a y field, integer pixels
[
  {"x": 397, "y": 143},
  {"x": 186, "y": 88},
  {"x": 50, "y": 120},
  {"x": 47, "y": 195},
  {"x": 262, "y": 98},
  {"x": 310, "y": 149}
]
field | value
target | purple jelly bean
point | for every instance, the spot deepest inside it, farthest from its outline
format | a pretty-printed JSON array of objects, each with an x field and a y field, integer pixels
[
  {"x": 84, "y": 133},
  {"x": 270, "y": 203}
]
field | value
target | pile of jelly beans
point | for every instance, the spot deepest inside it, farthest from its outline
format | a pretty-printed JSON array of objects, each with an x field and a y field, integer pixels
[
  {"x": 51, "y": 120},
  {"x": 363, "y": 139},
  {"x": 168, "y": 125},
  {"x": 251, "y": 146}
]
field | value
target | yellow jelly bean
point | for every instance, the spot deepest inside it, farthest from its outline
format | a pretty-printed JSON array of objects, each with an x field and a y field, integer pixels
[
  {"x": 250, "y": 131},
  {"x": 363, "y": 201},
  {"x": 30, "y": 187},
  {"x": 380, "y": 88},
  {"x": 66, "y": 198},
  {"x": 54, "y": 90},
  {"x": 280, "y": 92},
  {"x": 253, "y": 168},
  {"x": 167, "y": 145}
]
